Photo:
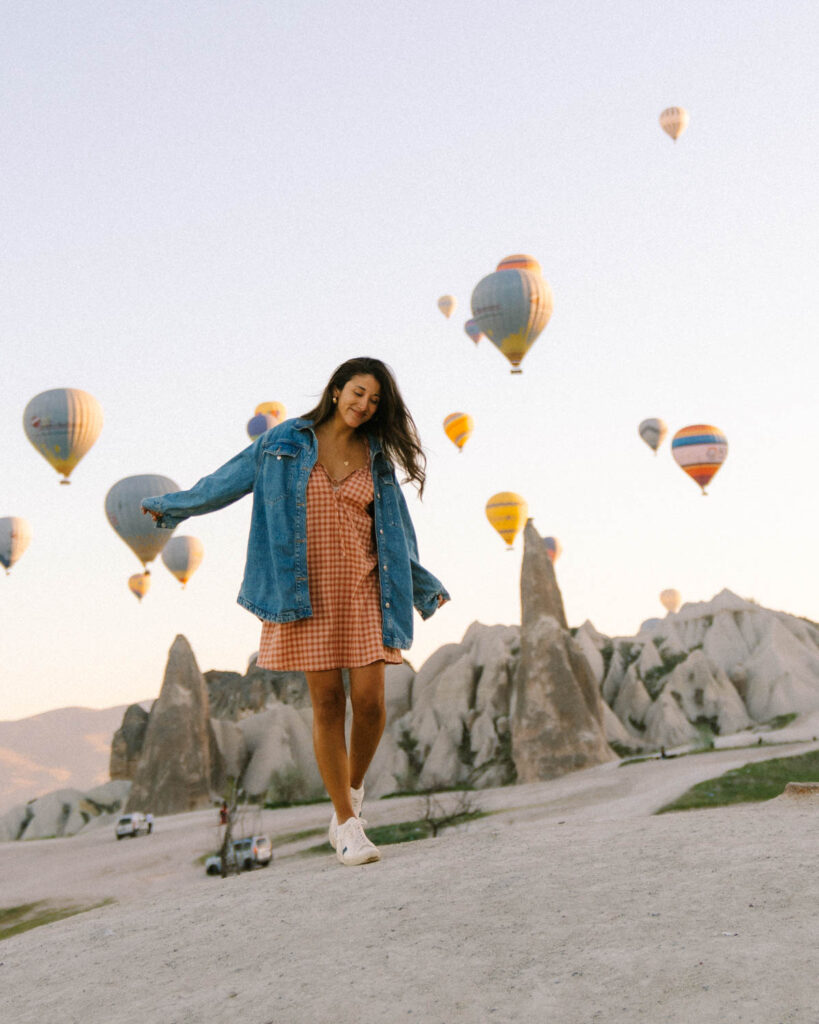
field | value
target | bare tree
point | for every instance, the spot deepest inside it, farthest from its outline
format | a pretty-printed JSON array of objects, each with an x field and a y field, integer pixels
[
  {"x": 458, "y": 808},
  {"x": 229, "y": 862}
]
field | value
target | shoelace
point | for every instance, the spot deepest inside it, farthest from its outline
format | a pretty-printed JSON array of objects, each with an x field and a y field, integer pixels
[{"x": 358, "y": 828}]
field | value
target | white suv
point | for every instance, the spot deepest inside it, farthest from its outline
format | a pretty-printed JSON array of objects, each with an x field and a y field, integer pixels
[
  {"x": 247, "y": 853},
  {"x": 131, "y": 825}
]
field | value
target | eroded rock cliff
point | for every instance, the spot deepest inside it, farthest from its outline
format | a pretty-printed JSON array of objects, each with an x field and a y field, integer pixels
[{"x": 557, "y": 715}]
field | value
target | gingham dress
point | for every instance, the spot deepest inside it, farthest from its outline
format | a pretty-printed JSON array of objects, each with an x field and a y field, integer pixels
[{"x": 344, "y": 630}]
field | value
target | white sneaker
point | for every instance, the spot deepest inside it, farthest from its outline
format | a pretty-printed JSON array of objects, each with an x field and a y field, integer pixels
[
  {"x": 357, "y": 800},
  {"x": 352, "y": 844}
]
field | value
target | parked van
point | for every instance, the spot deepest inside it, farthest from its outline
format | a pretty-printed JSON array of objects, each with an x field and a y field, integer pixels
[
  {"x": 132, "y": 825},
  {"x": 247, "y": 853}
]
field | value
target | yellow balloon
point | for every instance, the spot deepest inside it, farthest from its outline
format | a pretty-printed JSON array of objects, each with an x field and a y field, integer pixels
[
  {"x": 139, "y": 584},
  {"x": 275, "y": 409},
  {"x": 507, "y": 512},
  {"x": 447, "y": 304},
  {"x": 671, "y": 600},
  {"x": 458, "y": 427}
]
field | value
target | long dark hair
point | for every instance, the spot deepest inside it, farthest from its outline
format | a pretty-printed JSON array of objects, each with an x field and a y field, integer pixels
[{"x": 391, "y": 424}]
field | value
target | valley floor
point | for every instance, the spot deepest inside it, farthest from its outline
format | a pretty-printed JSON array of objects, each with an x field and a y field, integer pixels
[{"x": 571, "y": 904}]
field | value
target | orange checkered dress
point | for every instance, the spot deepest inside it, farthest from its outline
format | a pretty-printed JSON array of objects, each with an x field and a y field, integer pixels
[{"x": 344, "y": 630}]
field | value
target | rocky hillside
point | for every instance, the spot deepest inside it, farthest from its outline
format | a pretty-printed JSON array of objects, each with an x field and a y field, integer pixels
[
  {"x": 712, "y": 668},
  {"x": 505, "y": 704}
]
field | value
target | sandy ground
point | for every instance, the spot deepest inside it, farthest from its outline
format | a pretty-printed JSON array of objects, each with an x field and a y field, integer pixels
[{"x": 572, "y": 904}]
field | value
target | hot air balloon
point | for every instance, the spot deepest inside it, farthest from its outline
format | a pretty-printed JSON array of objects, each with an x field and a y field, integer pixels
[
  {"x": 674, "y": 121},
  {"x": 447, "y": 304},
  {"x": 520, "y": 261},
  {"x": 274, "y": 409},
  {"x": 139, "y": 584},
  {"x": 512, "y": 306},
  {"x": 554, "y": 549},
  {"x": 474, "y": 332},
  {"x": 259, "y": 424},
  {"x": 507, "y": 512},
  {"x": 63, "y": 424},
  {"x": 183, "y": 556},
  {"x": 122, "y": 507},
  {"x": 653, "y": 432},
  {"x": 700, "y": 450},
  {"x": 671, "y": 600},
  {"x": 458, "y": 427},
  {"x": 15, "y": 537}
]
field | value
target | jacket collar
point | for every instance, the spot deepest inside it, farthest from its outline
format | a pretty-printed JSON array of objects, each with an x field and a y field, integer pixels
[{"x": 304, "y": 425}]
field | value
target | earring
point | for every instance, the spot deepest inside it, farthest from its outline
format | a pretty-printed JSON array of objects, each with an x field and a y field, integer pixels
[{"x": 335, "y": 399}]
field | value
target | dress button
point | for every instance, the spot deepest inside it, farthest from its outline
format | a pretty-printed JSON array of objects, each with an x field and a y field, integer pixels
[
  {"x": 386, "y": 604},
  {"x": 380, "y": 531},
  {"x": 278, "y": 458},
  {"x": 384, "y": 567}
]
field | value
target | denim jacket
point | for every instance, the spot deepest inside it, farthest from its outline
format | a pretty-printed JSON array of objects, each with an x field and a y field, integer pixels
[{"x": 275, "y": 588}]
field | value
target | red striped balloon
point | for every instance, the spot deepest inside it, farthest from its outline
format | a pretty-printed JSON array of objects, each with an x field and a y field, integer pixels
[{"x": 700, "y": 450}]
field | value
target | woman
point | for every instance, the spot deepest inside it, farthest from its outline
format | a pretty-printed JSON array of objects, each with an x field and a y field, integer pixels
[{"x": 332, "y": 565}]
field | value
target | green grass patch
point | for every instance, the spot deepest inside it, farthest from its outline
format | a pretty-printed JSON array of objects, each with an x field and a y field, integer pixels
[
  {"x": 780, "y": 721},
  {"x": 25, "y": 916},
  {"x": 295, "y": 837},
  {"x": 762, "y": 780}
]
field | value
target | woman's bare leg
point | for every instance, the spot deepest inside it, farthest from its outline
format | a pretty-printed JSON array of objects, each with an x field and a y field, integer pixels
[
  {"x": 329, "y": 707},
  {"x": 369, "y": 716}
]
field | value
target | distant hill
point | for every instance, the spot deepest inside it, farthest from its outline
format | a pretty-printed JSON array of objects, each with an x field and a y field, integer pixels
[{"x": 66, "y": 748}]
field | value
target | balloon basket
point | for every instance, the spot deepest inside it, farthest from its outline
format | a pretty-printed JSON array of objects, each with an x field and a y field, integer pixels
[
  {"x": 516, "y": 371},
  {"x": 64, "y": 483}
]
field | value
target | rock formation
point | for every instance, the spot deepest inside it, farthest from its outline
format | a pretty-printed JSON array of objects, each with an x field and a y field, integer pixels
[
  {"x": 180, "y": 765},
  {"x": 456, "y": 730},
  {"x": 127, "y": 744},
  {"x": 233, "y": 696},
  {"x": 505, "y": 703},
  {"x": 557, "y": 716},
  {"x": 712, "y": 668},
  {"x": 65, "y": 812}
]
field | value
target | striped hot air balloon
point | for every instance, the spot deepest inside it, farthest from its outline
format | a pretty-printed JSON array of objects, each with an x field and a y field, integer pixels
[
  {"x": 474, "y": 332},
  {"x": 139, "y": 584},
  {"x": 653, "y": 432},
  {"x": 700, "y": 450},
  {"x": 447, "y": 304},
  {"x": 123, "y": 509},
  {"x": 63, "y": 424},
  {"x": 674, "y": 121},
  {"x": 183, "y": 556},
  {"x": 507, "y": 512},
  {"x": 15, "y": 537},
  {"x": 512, "y": 306},
  {"x": 554, "y": 549},
  {"x": 458, "y": 427}
]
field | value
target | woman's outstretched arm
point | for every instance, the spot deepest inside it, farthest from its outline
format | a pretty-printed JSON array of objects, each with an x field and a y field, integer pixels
[{"x": 222, "y": 487}]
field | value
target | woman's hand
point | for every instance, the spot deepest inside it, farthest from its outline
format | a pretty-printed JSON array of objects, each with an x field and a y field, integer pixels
[
  {"x": 442, "y": 600},
  {"x": 156, "y": 516}
]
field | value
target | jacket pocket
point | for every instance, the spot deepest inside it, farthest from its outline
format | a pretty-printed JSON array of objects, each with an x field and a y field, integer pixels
[{"x": 279, "y": 470}]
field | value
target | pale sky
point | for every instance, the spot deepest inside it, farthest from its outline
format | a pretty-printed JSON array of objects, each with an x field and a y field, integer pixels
[{"x": 210, "y": 205}]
